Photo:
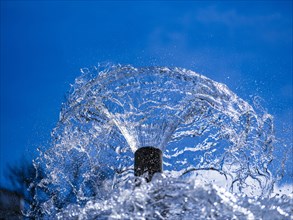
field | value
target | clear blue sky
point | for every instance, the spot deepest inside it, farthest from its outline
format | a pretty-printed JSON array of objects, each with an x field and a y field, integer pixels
[{"x": 246, "y": 45}]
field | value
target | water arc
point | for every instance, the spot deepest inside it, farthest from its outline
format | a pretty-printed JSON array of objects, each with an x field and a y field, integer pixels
[
  {"x": 196, "y": 124},
  {"x": 195, "y": 121}
]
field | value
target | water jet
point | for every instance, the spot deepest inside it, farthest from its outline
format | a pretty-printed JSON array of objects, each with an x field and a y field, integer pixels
[{"x": 118, "y": 120}]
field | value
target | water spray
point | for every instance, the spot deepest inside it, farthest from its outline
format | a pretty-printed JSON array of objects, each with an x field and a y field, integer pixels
[{"x": 124, "y": 117}]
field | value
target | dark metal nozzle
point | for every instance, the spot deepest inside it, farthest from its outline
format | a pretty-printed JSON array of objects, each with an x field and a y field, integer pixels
[{"x": 148, "y": 161}]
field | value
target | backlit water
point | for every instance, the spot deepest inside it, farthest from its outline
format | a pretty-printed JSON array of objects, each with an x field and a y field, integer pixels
[{"x": 217, "y": 150}]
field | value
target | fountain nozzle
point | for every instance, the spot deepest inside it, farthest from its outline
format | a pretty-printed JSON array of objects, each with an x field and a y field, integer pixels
[{"x": 148, "y": 161}]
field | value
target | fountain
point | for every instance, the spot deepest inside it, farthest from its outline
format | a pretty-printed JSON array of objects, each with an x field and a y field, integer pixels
[{"x": 200, "y": 130}]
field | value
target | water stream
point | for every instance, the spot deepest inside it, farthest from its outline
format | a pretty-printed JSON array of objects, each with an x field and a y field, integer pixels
[{"x": 217, "y": 150}]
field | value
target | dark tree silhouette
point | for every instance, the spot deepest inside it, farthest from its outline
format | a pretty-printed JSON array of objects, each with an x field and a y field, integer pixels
[{"x": 23, "y": 177}]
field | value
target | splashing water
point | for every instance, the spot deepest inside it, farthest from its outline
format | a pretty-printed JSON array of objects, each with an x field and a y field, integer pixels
[{"x": 208, "y": 135}]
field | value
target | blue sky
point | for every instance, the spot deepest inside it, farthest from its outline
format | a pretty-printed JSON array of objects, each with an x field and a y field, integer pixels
[{"x": 246, "y": 45}]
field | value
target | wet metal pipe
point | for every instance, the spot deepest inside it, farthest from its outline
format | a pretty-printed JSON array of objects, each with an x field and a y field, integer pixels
[{"x": 147, "y": 162}]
